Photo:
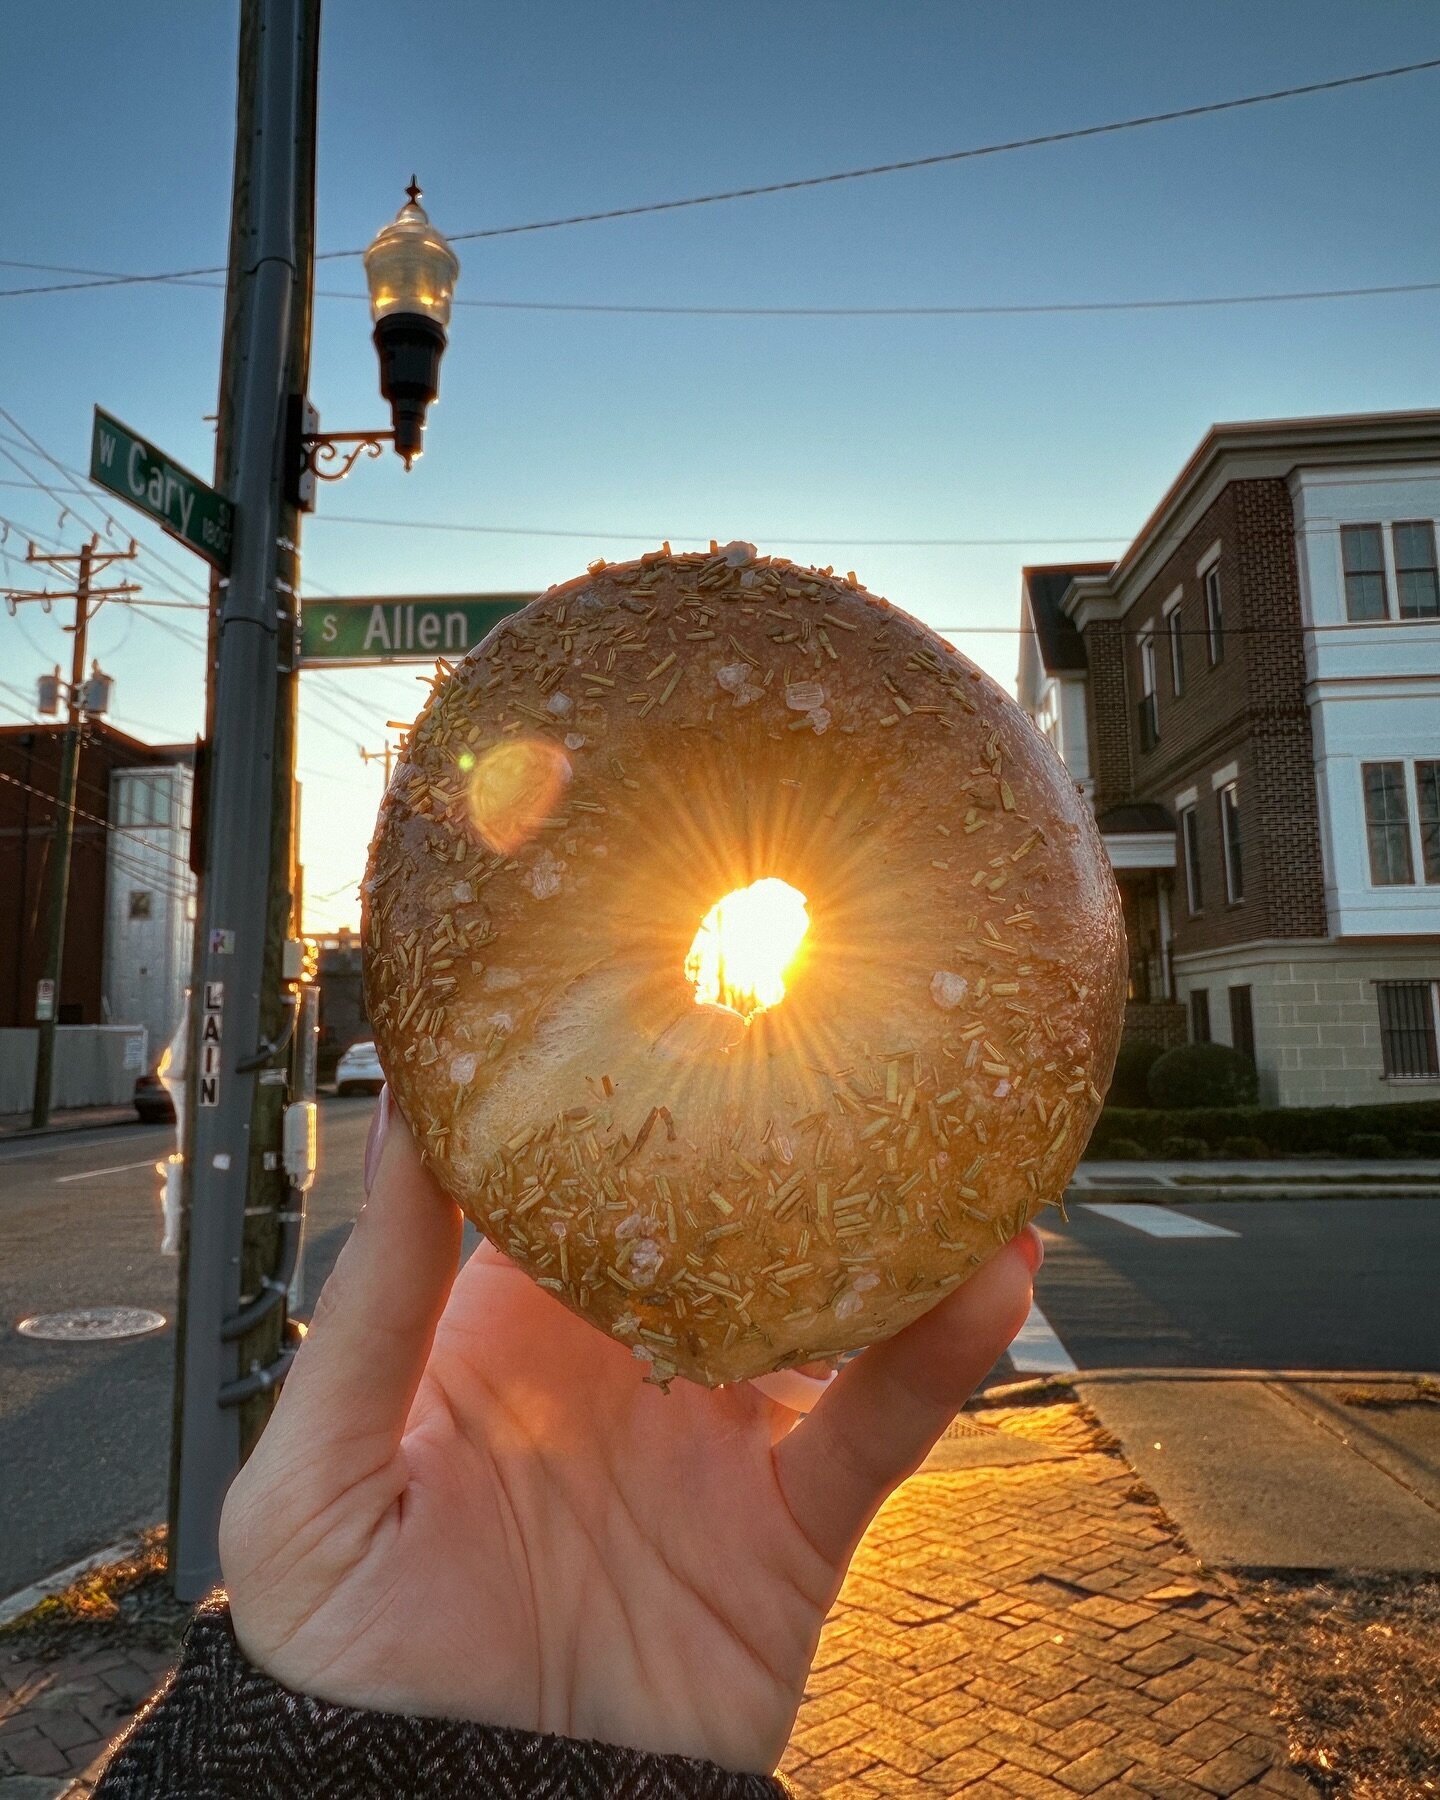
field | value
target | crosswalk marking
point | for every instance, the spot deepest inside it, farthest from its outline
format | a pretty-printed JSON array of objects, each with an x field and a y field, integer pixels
[
  {"x": 1037, "y": 1350},
  {"x": 1156, "y": 1221}
]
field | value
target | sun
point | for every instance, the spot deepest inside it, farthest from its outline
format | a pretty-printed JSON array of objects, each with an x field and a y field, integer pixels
[{"x": 745, "y": 946}]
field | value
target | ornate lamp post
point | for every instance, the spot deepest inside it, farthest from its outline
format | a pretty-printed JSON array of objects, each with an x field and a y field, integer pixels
[{"x": 410, "y": 270}]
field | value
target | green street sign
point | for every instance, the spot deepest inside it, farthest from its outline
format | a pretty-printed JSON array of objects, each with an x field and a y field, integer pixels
[
  {"x": 394, "y": 628},
  {"x": 135, "y": 470}
]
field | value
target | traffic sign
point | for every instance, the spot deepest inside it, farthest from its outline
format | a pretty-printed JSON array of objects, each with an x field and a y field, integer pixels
[
  {"x": 135, "y": 470},
  {"x": 392, "y": 628}
]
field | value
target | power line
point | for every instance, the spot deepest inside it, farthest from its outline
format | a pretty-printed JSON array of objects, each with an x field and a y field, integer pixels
[
  {"x": 968, "y": 310},
  {"x": 1073, "y": 135}
]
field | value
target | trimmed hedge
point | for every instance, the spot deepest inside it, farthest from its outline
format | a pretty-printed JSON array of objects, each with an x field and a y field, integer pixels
[{"x": 1409, "y": 1128}]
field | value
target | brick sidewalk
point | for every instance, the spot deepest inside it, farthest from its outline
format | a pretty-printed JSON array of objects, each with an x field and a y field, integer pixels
[
  {"x": 1024, "y": 1632},
  {"x": 1035, "y": 1632}
]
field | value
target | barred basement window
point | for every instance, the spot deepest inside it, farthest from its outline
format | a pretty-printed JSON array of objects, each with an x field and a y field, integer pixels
[
  {"x": 1387, "y": 824},
  {"x": 1407, "y": 1030},
  {"x": 1415, "y": 572},
  {"x": 1362, "y": 552}
]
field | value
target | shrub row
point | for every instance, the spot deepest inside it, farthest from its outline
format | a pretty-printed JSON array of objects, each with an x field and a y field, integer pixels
[{"x": 1406, "y": 1128}]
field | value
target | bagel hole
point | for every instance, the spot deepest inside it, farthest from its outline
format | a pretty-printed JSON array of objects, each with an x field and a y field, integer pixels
[{"x": 747, "y": 944}]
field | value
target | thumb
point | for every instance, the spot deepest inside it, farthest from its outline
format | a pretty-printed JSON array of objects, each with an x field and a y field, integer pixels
[{"x": 884, "y": 1411}]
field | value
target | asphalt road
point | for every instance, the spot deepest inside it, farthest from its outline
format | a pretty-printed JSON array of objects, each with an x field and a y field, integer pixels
[{"x": 84, "y": 1429}]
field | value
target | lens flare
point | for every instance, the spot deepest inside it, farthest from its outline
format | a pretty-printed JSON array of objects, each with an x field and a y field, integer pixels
[
  {"x": 745, "y": 945},
  {"x": 513, "y": 787}
]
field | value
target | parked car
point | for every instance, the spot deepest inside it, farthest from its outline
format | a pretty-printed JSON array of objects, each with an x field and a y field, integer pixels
[
  {"x": 152, "y": 1098},
  {"x": 358, "y": 1071}
]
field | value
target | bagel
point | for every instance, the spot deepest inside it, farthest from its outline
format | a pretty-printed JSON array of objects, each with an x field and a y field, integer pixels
[{"x": 747, "y": 966}]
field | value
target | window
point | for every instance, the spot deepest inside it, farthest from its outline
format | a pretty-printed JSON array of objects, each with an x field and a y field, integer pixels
[
  {"x": 1176, "y": 639},
  {"x": 140, "y": 903},
  {"x": 1415, "y": 572},
  {"x": 1363, "y": 555},
  {"x": 1199, "y": 1015},
  {"x": 1230, "y": 841},
  {"x": 1427, "y": 805},
  {"x": 1387, "y": 824},
  {"x": 1190, "y": 837},
  {"x": 1407, "y": 1030},
  {"x": 142, "y": 799},
  {"x": 1242, "y": 1022},
  {"x": 1149, "y": 704},
  {"x": 1214, "y": 615}
]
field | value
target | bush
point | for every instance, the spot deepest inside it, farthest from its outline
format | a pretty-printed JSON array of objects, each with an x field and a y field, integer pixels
[
  {"x": 1184, "y": 1149},
  {"x": 1244, "y": 1149},
  {"x": 1123, "y": 1149},
  {"x": 1368, "y": 1143},
  {"x": 1410, "y": 1127},
  {"x": 1203, "y": 1075},
  {"x": 1132, "y": 1065}
]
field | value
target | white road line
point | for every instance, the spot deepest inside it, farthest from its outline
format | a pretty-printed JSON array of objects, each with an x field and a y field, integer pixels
[
  {"x": 119, "y": 1169},
  {"x": 1037, "y": 1350},
  {"x": 1156, "y": 1221}
]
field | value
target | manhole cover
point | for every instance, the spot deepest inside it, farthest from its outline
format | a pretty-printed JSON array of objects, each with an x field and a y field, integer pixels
[{"x": 92, "y": 1324}]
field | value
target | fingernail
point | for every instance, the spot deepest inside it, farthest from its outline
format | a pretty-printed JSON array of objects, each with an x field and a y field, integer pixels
[
  {"x": 375, "y": 1142},
  {"x": 1032, "y": 1248}
]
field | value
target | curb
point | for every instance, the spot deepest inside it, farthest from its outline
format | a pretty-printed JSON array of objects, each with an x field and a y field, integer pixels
[
  {"x": 122, "y": 1115},
  {"x": 1033, "y": 1386},
  {"x": 16, "y": 1605}
]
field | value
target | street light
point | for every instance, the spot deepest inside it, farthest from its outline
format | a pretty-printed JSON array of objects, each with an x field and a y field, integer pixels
[{"x": 410, "y": 271}]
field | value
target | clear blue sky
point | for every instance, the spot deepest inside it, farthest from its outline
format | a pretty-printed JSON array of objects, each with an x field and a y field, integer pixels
[{"x": 118, "y": 146}]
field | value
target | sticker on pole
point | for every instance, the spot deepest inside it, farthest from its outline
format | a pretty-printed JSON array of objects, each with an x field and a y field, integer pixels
[
  {"x": 209, "y": 1093},
  {"x": 44, "y": 1001}
]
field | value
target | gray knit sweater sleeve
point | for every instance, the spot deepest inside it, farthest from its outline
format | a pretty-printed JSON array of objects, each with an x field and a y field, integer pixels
[{"x": 220, "y": 1730}]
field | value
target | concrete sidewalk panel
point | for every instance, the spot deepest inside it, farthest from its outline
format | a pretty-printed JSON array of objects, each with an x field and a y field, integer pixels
[{"x": 1254, "y": 1479}]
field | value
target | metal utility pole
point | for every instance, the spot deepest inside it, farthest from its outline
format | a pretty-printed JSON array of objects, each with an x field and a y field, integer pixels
[
  {"x": 90, "y": 560},
  {"x": 387, "y": 756},
  {"x": 242, "y": 1210}
]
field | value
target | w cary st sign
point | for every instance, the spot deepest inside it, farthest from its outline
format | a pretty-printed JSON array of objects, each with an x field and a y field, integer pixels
[
  {"x": 135, "y": 470},
  {"x": 395, "y": 628}
]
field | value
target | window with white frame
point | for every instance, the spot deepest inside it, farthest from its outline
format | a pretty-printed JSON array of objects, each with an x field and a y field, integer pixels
[
  {"x": 1190, "y": 839},
  {"x": 1214, "y": 615},
  {"x": 1149, "y": 700},
  {"x": 1175, "y": 639},
  {"x": 1417, "y": 580},
  {"x": 1396, "y": 849},
  {"x": 1371, "y": 595},
  {"x": 1229, "y": 799},
  {"x": 1408, "y": 1047},
  {"x": 1362, "y": 557},
  {"x": 1427, "y": 815}
]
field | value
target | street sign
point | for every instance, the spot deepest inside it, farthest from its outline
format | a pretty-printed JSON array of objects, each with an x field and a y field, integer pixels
[
  {"x": 392, "y": 628},
  {"x": 135, "y": 470}
]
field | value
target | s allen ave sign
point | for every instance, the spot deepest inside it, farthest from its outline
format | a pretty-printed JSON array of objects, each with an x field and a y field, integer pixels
[{"x": 392, "y": 628}]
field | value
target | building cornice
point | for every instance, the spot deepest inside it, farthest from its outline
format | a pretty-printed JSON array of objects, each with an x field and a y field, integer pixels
[{"x": 1263, "y": 449}]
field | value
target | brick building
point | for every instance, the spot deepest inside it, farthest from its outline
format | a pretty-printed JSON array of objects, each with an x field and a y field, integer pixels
[
  {"x": 1250, "y": 697},
  {"x": 130, "y": 905}
]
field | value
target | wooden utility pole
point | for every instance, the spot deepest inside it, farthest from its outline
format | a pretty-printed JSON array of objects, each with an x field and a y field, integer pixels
[
  {"x": 387, "y": 756},
  {"x": 89, "y": 560}
]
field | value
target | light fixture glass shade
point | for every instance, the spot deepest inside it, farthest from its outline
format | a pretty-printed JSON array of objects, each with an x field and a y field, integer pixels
[{"x": 410, "y": 268}]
